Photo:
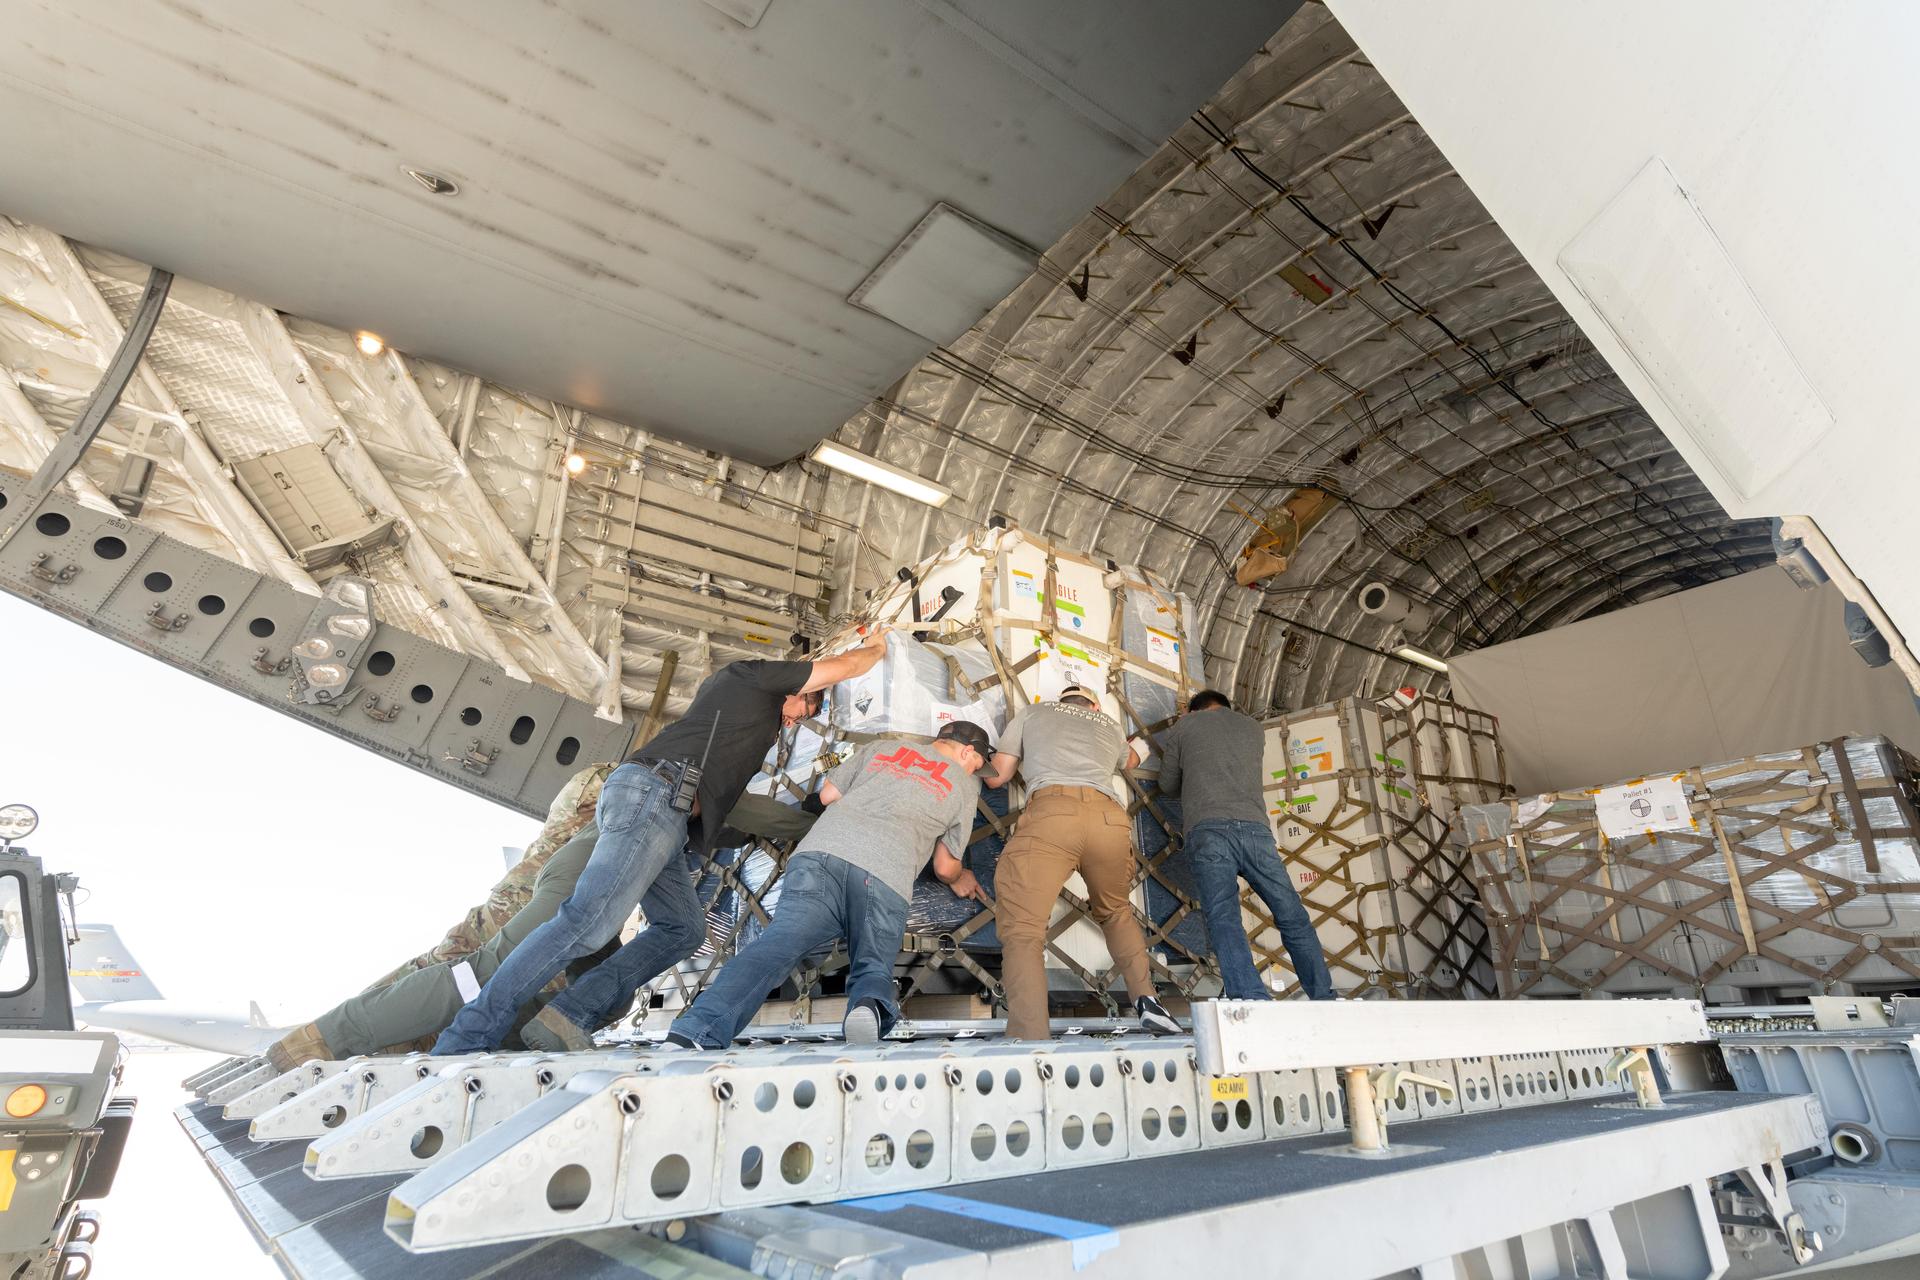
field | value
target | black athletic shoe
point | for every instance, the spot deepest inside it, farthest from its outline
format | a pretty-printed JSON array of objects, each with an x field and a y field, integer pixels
[
  {"x": 675, "y": 1042},
  {"x": 865, "y": 1023},
  {"x": 1154, "y": 1018}
]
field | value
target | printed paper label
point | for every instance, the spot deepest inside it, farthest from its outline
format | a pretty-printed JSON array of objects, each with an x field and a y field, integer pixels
[
  {"x": 1163, "y": 650},
  {"x": 1024, "y": 587},
  {"x": 1309, "y": 756},
  {"x": 1635, "y": 808}
]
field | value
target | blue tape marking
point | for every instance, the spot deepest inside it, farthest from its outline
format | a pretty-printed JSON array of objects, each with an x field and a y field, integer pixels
[{"x": 1090, "y": 1239}]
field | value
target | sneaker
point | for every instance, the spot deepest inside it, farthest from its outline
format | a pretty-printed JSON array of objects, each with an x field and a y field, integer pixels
[
  {"x": 1156, "y": 1019},
  {"x": 551, "y": 1032},
  {"x": 865, "y": 1023},
  {"x": 675, "y": 1042}
]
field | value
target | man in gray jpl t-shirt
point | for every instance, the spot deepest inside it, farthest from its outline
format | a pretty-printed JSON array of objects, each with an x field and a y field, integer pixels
[
  {"x": 1212, "y": 759},
  {"x": 888, "y": 806}
]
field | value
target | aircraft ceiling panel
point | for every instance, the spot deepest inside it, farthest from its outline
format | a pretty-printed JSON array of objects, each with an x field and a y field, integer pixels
[
  {"x": 1293, "y": 289},
  {"x": 661, "y": 211}
]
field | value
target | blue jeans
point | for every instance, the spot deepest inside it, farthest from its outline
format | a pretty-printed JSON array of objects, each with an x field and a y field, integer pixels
[
  {"x": 636, "y": 861},
  {"x": 1223, "y": 851},
  {"x": 821, "y": 898}
]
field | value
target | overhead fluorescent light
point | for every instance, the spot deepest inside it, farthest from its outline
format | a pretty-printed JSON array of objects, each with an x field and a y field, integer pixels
[
  {"x": 866, "y": 467},
  {"x": 1408, "y": 653}
]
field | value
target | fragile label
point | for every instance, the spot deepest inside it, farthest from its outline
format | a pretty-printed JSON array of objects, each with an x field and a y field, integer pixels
[
  {"x": 1229, "y": 1088},
  {"x": 1163, "y": 650},
  {"x": 1637, "y": 808}
]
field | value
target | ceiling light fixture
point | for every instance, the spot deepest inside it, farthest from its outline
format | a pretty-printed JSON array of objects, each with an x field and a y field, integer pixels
[
  {"x": 1407, "y": 653},
  {"x": 575, "y": 463},
  {"x": 866, "y": 467},
  {"x": 432, "y": 183},
  {"x": 370, "y": 344}
]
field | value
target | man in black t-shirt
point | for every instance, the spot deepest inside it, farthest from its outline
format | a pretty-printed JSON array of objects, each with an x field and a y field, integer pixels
[{"x": 727, "y": 732}]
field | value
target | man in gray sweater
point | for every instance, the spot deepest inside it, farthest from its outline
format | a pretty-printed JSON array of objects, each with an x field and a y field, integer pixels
[{"x": 1212, "y": 759}]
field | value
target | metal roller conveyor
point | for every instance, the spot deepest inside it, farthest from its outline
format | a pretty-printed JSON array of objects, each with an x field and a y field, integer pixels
[{"x": 703, "y": 1133}]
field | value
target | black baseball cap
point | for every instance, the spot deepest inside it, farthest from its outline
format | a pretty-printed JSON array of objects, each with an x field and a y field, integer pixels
[{"x": 968, "y": 734}]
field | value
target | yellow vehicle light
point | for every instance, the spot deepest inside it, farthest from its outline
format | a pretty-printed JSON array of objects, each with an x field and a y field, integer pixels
[{"x": 26, "y": 1101}]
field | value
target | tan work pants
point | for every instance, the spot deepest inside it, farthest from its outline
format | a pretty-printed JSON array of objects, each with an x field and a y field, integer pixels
[{"x": 1064, "y": 830}]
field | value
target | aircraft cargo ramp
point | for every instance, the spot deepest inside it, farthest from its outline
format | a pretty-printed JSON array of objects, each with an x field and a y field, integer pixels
[{"x": 1347, "y": 1140}]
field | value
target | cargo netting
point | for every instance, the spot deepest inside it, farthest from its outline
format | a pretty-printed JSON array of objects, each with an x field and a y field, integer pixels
[{"x": 1787, "y": 870}]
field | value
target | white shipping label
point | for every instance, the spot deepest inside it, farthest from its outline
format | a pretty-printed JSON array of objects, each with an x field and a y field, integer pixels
[
  {"x": 1634, "y": 808},
  {"x": 1024, "y": 587},
  {"x": 1163, "y": 650}
]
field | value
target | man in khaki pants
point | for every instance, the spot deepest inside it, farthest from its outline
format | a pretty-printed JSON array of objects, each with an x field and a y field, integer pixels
[{"x": 1068, "y": 752}]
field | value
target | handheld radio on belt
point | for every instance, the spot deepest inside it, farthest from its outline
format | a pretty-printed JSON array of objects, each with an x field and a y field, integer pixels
[{"x": 684, "y": 775}]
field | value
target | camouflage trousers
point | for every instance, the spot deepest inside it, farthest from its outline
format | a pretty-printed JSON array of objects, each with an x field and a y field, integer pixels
[
  {"x": 421, "y": 1002},
  {"x": 407, "y": 1009}
]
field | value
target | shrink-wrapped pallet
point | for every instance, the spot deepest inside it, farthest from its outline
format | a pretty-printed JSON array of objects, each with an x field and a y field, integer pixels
[
  {"x": 1738, "y": 881},
  {"x": 991, "y": 624},
  {"x": 1358, "y": 795}
]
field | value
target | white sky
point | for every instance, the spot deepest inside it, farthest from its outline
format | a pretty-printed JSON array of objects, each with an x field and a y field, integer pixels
[{"x": 242, "y": 854}]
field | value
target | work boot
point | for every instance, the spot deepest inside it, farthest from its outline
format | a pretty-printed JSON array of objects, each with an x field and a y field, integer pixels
[
  {"x": 302, "y": 1044},
  {"x": 1154, "y": 1018},
  {"x": 551, "y": 1032},
  {"x": 866, "y": 1023},
  {"x": 676, "y": 1042}
]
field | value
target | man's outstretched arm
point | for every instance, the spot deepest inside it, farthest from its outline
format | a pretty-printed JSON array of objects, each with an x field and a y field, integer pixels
[{"x": 845, "y": 666}]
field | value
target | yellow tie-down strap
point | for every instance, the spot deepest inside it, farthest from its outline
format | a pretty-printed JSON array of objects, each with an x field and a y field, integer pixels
[{"x": 7, "y": 1182}]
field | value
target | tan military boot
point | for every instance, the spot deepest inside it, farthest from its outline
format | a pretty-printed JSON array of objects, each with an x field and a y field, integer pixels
[
  {"x": 302, "y": 1044},
  {"x": 551, "y": 1032}
]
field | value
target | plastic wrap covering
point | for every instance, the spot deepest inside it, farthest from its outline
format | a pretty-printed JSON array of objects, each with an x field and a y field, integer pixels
[
  {"x": 918, "y": 688},
  {"x": 1786, "y": 871},
  {"x": 1359, "y": 797},
  {"x": 1046, "y": 617}
]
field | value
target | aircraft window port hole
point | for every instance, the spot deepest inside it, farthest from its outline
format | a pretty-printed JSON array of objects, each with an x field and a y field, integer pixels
[
  {"x": 422, "y": 693},
  {"x": 109, "y": 547},
  {"x": 52, "y": 524},
  {"x": 157, "y": 582},
  {"x": 379, "y": 662},
  {"x": 260, "y": 628},
  {"x": 569, "y": 751}
]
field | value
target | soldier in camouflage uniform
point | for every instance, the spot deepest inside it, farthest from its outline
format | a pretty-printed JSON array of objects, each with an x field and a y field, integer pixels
[
  {"x": 570, "y": 811},
  {"x": 404, "y": 1012}
]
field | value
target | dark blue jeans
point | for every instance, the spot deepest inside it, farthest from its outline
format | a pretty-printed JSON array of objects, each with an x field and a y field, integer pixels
[
  {"x": 1224, "y": 851},
  {"x": 636, "y": 861},
  {"x": 821, "y": 898}
]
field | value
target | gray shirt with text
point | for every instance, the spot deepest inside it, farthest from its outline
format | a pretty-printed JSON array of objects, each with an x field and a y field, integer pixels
[
  {"x": 897, "y": 799},
  {"x": 1066, "y": 746}
]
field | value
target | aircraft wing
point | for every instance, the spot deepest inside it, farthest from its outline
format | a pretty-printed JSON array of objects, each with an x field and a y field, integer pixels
[{"x": 227, "y": 1033}]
